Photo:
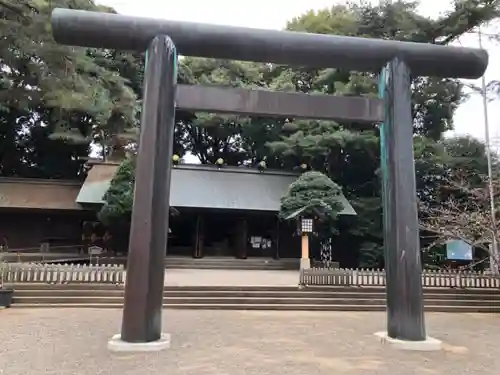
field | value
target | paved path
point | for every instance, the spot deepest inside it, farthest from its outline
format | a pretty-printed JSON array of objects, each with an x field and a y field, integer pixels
[
  {"x": 73, "y": 342},
  {"x": 192, "y": 277}
]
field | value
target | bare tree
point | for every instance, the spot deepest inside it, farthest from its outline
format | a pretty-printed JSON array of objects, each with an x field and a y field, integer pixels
[{"x": 460, "y": 210}]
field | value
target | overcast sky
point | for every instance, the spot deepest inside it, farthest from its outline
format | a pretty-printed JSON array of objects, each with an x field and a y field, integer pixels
[{"x": 273, "y": 14}]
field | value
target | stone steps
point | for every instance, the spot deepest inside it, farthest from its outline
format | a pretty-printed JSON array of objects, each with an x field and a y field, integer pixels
[
  {"x": 266, "y": 307},
  {"x": 241, "y": 267},
  {"x": 174, "y": 262},
  {"x": 184, "y": 306},
  {"x": 118, "y": 293},
  {"x": 237, "y": 300},
  {"x": 252, "y": 298},
  {"x": 231, "y": 263},
  {"x": 253, "y": 288}
]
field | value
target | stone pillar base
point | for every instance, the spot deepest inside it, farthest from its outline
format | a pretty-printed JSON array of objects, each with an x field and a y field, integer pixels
[
  {"x": 305, "y": 263},
  {"x": 116, "y": 344},
  {"x": 427, "y": 345}
]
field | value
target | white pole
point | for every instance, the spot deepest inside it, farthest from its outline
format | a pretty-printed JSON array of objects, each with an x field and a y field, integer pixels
[{"x": 494, "y": 245}]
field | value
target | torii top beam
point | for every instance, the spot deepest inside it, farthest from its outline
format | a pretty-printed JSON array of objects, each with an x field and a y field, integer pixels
[{"x": 106, "y": 30}]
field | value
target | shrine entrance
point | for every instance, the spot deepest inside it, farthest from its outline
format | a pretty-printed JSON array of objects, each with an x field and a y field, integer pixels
[{"x": 395, "y": 61}]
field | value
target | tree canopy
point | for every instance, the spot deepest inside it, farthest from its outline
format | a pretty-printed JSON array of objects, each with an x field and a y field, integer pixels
[
  {"x": 312, "y": 195},
  {"x": 56, "y": 100},
  {"x": 120, "y": 196}
]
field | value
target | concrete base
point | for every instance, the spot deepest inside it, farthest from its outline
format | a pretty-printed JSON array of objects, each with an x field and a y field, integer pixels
[
  {"x": 305, "y": 263},
  {"x": 116, "y": 344},
  {"x": 429, "y": 344}
]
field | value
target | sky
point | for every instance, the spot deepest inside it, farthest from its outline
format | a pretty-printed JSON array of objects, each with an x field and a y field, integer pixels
[{"x": 273, "y": 14}]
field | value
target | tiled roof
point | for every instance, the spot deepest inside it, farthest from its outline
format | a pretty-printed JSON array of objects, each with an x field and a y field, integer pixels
[
  {"x": 200, "y": 186},
  {"x": 193, "y": 186},
  {"x": 97, "y": 183},
  {"x": 39, "y": 194}
]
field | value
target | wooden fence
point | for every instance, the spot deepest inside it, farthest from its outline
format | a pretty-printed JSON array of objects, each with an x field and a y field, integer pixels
[
  {"x": 63, "y": 273},
  {"x": 366, "y": 277}
]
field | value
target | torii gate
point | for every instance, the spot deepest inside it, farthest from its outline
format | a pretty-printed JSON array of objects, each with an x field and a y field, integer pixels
[{"x": 163, "y": 39}]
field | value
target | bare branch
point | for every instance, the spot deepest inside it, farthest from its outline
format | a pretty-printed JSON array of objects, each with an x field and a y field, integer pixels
[{"x": 460, "y": 211}]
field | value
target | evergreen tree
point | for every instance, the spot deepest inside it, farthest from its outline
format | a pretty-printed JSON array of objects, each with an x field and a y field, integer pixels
[
  {"x": 312, "y": 195},
  {"x": 53, "y": 95}
]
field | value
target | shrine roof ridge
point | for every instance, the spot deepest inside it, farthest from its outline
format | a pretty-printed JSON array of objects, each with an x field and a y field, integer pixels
[{"x": 231, "y": 169}]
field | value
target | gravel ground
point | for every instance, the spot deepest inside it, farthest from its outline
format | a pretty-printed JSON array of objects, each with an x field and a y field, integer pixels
[{"x": 70, "y": 341}]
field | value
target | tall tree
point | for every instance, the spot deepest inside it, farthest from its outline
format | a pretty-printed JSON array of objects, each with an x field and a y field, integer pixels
[
  {"x": 47, "y": 88},
  {"x": 236, "y": 139},
  {"x": 349, "y": 153}
]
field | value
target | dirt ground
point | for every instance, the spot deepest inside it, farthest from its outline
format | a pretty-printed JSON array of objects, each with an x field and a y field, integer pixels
[{"x": 70, "y": 342}]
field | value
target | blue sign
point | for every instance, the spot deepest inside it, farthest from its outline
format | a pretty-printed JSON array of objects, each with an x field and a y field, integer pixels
[{"x": 458, "y": 250}]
